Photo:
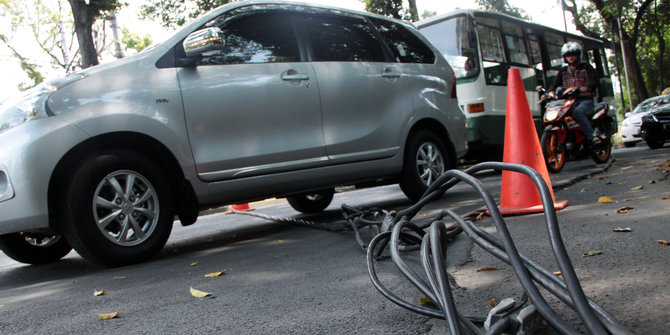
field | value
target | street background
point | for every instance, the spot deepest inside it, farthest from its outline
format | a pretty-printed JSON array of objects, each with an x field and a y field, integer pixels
[{"x": 284, "y": 278}]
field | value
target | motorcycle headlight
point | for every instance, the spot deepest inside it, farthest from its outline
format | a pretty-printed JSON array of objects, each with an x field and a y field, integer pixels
[
  {"x": 551, "y": 115},
  {"x": 31, "y": 105}
]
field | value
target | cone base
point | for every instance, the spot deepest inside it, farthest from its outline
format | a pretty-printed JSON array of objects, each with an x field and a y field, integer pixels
[
  {"x": 558, "y": 205},
  {"x": 239, "y": 208}
]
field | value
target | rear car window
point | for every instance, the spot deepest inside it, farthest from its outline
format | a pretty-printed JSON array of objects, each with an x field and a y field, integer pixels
[
  {"x": 405, "y": 46},
  {"x": 337, "y": 38}
]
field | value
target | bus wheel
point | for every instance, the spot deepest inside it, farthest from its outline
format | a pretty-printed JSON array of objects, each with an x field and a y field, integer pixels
[
  {"x": 313, "y": 202},
  {"x": 425, "y": 160},
  {"x": 553, "y": 151}
]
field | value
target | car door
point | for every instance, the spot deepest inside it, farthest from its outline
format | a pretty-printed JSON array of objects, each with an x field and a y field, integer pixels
[
  {"x": 365, "y": 97},
  {"x": 253, "y": 107}
]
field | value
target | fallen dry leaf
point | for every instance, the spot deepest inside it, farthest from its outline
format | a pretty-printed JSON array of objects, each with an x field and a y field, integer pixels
[
  {"x": 609, "y": 183},
  {"x": 664, "y": 242},
  {"x": 120, "y": 277},
  {"x": 622, "y": 183},
  {"x": 487, "y": 268},
  {"x": 665, "y": 198},
  {"x": 98, "y": 293},
  {"x": 198, "y": 293},
  {"x": 602, "y": 178},
  {"x": 427, "y": 302},
  {"x": 627, "y": 167},
  {"x": 622, "y": 230},
  {"x": 215, "y": 274},
  {"x": 652, "y": 182},
  {"x": 605, "y": 199},
  {"x": 637, "y": 188},
  {"x": 623, "y": 210},
  {"x": 638, "y": 198},
  {"x": 194, "y": 264},
  {"x": 480, "y": 216},
  {"x": 558, "y": 273},
  {"x": 492, "y": 303},
  {"x": 107, "y": 316},
  {"x": 592, "y": 253}
]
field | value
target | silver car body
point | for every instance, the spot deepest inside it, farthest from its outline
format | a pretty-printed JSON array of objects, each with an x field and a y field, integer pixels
[
  {"x": 630, "y": 126},
  {"x": 342, "y": 123}
]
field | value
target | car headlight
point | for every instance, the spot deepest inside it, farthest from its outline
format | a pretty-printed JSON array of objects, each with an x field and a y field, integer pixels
[
  {"x": 29, "y": 106},
  {"x": 551, "y": 115}
]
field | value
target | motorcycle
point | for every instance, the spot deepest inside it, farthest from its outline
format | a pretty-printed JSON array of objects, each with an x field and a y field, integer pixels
[{"x": 563, "y": 138}]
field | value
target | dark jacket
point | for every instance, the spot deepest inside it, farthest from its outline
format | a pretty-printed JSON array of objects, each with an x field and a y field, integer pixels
[{"x": 584, "y": 75}]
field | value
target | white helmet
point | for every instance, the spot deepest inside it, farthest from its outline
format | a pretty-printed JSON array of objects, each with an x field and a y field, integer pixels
[{"x": 571, "y": 48}]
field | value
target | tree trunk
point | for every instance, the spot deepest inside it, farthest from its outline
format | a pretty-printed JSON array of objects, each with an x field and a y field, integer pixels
[
  {"x": 84, "y": 16},
  {"x": 413, "y": 11},
  {"x": 634, "y": 70}
]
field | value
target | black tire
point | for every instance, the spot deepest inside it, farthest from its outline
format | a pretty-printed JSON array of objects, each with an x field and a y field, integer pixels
[
  {"x": 601, "y": 153},
  {"x": 655, "y": 143},
  {"x": 426, "y": 159},
  {"x": 629, "y": 144},
  {"x": 32, "y": 248},
  {"x": 312, "y": 202},
  {"x": 136, "y": 224},
  {"x": 554, "y": 152}
]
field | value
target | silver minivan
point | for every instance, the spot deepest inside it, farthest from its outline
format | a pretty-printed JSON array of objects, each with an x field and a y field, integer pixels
[{"x": 250, "y": 101}]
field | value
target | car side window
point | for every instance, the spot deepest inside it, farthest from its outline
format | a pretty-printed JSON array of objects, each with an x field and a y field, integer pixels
[
  {"x": 340, "y": 38},
  {"x": 405, "y": 46},
  {"x": 256, "y": 37}
]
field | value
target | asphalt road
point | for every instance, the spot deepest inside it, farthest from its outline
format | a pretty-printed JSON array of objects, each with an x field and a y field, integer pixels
[{"x": 283, "y": 278}]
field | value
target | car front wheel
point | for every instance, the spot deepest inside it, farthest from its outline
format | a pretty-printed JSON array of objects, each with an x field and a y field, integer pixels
[
  {"x": 118, "y": 209},
  {"x": 34, "y": 248}
]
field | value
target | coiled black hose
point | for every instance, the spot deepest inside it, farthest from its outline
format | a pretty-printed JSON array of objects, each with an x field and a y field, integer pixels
[{"x": 397, "y": 229}]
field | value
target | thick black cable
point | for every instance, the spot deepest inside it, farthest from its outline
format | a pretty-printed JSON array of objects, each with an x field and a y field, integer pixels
[{"x": 594, "y": 317}]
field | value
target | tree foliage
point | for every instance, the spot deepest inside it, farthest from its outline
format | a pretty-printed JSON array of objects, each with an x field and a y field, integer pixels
[
  {"x": 643, "y": 28},
  {"x": 174, "y": 13},
  {"x": 502, "y": 6}
]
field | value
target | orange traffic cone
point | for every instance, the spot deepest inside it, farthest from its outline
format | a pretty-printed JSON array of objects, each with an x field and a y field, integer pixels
[
  {"x": 239, "y": 208},
  {"x": 519, "y": 195}
]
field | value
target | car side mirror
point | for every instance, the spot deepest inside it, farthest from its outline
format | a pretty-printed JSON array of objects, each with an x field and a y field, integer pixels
[
  {"x": 202, "y": 41},
  {"x": 627, "y": 114}
]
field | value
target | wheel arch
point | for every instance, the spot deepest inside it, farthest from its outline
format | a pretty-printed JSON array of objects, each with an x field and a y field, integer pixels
[{"x": 185, "y": 201}]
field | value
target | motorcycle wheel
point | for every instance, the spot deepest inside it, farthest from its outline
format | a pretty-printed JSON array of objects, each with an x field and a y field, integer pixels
[
  {"x": 553, "y": 151},
  {"x": 601, "y": 153}
]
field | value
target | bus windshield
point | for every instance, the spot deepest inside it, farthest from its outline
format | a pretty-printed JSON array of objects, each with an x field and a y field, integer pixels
[{"x": 457, "y": 41}]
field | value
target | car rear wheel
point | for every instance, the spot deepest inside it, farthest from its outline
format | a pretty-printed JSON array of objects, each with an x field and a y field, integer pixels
[
  {"x": 655, "y": 143},
  {"x": 118, "y": 209},
  {"x": 312, "y": 202},
  {"x": 425, "y": 160},
  {"x": 34, "y": 248}
]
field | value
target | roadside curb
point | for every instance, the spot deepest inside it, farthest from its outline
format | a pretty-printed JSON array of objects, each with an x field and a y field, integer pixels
[{"x": 588, "y": 174}]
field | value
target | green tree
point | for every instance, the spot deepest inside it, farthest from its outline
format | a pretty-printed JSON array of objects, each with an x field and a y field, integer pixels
[
  {"x": 135, "y": 42},
  {"x": 644, "y": 32},
  {"x": 174, "y": 13},
  {"x": 502, "y": 6},
  {"x": 393, "y": 8}
]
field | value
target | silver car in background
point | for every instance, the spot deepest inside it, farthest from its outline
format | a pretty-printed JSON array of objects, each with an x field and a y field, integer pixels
[
  {"x": 250, "y": 101},
  {"x": 630, "y": 126}
]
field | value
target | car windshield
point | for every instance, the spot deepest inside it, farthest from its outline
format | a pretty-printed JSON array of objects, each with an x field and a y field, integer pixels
[{"x": 652, "y": 103}]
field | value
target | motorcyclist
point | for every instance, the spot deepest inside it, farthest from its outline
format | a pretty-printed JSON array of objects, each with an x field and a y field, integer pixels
[{"x": 583, "y": 75}]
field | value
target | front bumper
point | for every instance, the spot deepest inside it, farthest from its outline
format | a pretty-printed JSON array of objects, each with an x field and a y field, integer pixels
[{"x": 28, "y": 155}]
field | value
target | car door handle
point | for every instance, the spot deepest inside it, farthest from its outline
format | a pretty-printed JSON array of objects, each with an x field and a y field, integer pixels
[
  {"x": 291, "y": 75},
  {"x": 390, "y": 72}
]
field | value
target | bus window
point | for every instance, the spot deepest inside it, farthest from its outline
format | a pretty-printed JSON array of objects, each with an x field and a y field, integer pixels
[
  {"x": 456, "y": 40},
  {"x": 493, "y": 54},
  {"x": 515, "y": 43}
]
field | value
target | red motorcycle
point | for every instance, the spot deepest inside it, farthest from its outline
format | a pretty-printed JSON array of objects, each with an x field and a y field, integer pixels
[{"x": 563, "y": 138}]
